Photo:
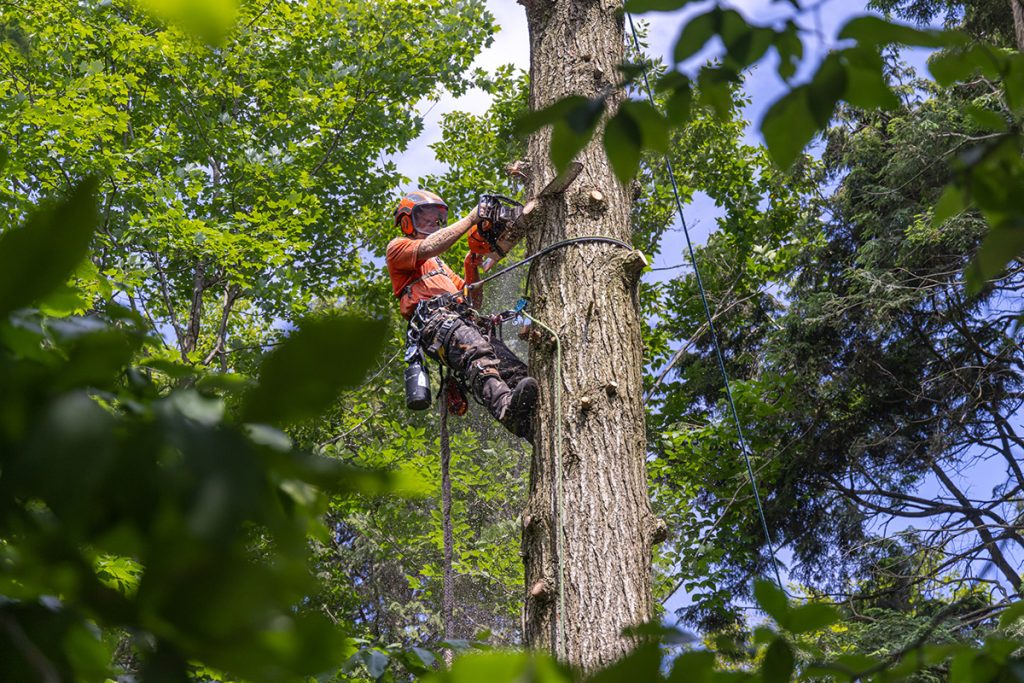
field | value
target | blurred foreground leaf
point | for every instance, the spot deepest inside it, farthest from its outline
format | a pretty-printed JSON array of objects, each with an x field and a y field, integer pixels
[
  {"x": 305, "y": 375},
  {"x": 38, "y": 257}
]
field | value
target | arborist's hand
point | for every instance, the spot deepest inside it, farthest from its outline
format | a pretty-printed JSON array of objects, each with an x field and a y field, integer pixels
[{"x": 473, "y": 261}]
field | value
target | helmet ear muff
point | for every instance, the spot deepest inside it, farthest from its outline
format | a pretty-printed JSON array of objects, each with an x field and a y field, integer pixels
[{"x": 407, "y": 227}]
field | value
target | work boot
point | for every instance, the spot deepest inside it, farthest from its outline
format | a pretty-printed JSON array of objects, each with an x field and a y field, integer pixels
[{"x": 518, "y": 417}]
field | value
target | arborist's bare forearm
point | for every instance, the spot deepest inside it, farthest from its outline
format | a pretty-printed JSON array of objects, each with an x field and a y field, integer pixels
[{"x": 442, "y": 240}]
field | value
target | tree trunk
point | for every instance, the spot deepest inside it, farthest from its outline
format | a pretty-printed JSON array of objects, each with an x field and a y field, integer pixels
[
  {"x": 587, "y": 294},
  {"x": 1018, "y": 22},
  {"x": 195, "y": 317}
]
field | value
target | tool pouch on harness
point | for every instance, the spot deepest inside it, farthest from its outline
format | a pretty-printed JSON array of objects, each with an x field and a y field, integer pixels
[{"x": 455, "y": 394}]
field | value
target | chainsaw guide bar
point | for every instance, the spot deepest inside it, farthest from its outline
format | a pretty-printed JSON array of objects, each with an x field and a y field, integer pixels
[{"x": 514, "y": 231}]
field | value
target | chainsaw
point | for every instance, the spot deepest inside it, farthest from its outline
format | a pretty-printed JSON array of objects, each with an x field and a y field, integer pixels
[
  {"x": 501, "y": 225},
  {"x": 496, "y": 216}
]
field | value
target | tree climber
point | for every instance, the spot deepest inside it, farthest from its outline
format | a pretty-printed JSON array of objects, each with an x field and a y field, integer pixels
[{"x": 434, "y": 299}]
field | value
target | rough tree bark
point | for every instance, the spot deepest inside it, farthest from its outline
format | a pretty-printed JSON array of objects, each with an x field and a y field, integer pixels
[
  {"x": 587, "y": 295},
  {"x": 1018, "y": 22}
]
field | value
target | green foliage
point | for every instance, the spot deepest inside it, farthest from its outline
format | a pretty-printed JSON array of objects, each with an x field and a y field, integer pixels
[
  {"x": 844, "y": 376},
  {"x": 302, "y": 378},
  {"x": 138, "y": 509},
  {"x": 771, "y": 657},
  {"x": 239, "y": 185},
  {"x": 854, "y": 75},
  {"x": 989, "y": 174}
]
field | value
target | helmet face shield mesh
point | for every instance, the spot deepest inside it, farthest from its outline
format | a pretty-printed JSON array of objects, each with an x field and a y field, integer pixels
[{"x": 429, "y": 218}]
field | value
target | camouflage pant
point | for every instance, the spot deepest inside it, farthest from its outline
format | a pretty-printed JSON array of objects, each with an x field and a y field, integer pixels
[{"x": 476, "y": 358}]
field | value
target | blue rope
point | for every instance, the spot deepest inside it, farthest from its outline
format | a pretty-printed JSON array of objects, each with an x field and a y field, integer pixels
[{"x": 711, "y": 329}]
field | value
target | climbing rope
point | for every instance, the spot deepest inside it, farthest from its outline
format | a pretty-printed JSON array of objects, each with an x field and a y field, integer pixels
[
  {"x": 744, "y": 449},
  {"x": 448, "y": 590},
  {"x": 547, "y": 250}
]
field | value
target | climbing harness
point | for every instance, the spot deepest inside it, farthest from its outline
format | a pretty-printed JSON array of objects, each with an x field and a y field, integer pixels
[
  {"x": 744, "y": 448},
  {"x": 457, "y": 302}
]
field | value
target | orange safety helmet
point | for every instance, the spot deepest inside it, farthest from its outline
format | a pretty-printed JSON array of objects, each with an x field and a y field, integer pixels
[{"x": 409, "y": 206}]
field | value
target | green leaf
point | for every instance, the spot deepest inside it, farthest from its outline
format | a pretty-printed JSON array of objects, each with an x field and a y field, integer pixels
[
  {"x": 268, "y": 436},
  {"x": 535, "y": 120},
  {"x": 950, "y": 204},
  {"x": 457, "y": 644},
  {"x": 642, "y": 664},
  {"x": 425, "y": 656},
  {"x": 874, "y": 30},
  {"x": 1013, "y": 82},
  {"x": 714, "y": 84},
  {"x": 811, "y": 617},
  {"x": 679, "y": 104},
  {"x": 641, "y": 6},
  {"x": 494, "y": 667},
  {"x": 950, "y": 66},
  {"x": 574, "y": 130},
  {"x": 1002, "y": 244},
  {"x": 653, "y": 126},
  {"x": 195, "y": 406},
  {"x": 697, "y": 32},
  {"x": 63, "y": 301},
  {"x": 961, "y": 666},
  {"x": 866, "y": 87},
  {"x": 744, "y": 44},
  {"x": 225, "y": 382},
  {"x": 778, "y": 663},
  {"x": 584, "y": 117},
  {"x": 692, "y": 667},
  {"x": 856, "y": 663},
  {"x": 375, "y": 661},
  {"x": 1011, "y": 614},
  {"x": 623, "y": 142},
  {"x": 986, "y": 119},
  {"x": 826, "y": 89},
  {"x": 788, "y": 126},
  {"x": 303, "y": 376},
  {"x": 790, "y": 49},
  {"x": 771, "y": 599},
  {"x": 40, "y": 256},
  {"x": 566, "y": 144},
  {"x": 172, "y": 369},
  {"x": 209, "y": 20}
]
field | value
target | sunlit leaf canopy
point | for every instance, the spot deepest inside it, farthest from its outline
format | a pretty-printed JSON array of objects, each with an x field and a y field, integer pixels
[{"x": 199, "y": 454}]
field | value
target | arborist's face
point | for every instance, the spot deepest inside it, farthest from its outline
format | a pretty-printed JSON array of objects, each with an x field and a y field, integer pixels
[{"x": 429, "y": 219}]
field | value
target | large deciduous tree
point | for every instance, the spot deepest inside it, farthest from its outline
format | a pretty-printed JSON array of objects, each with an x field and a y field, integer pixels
[
  {"x": 588, "y": 564},
  {"x": 238, "y": 183}
]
